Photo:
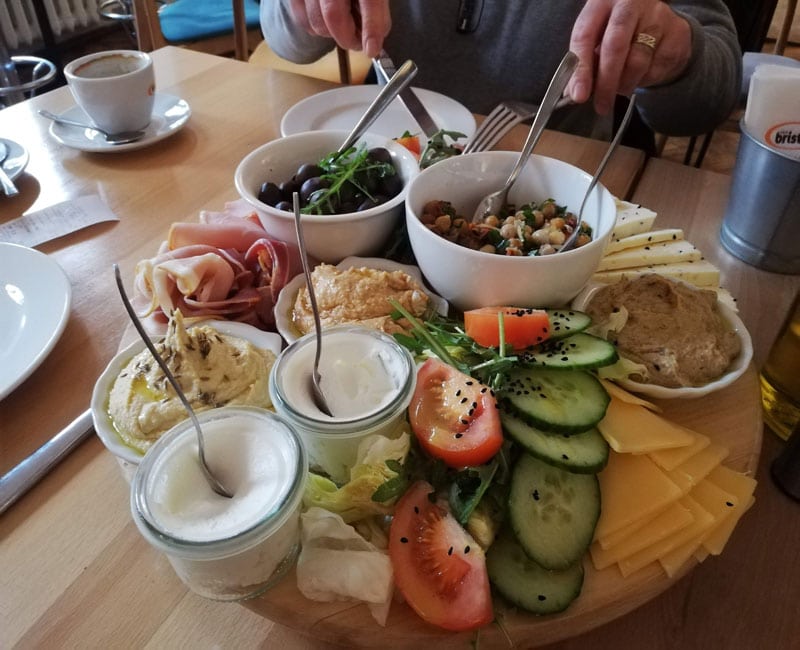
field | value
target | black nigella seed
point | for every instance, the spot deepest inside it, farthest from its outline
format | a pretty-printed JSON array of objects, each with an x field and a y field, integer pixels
[
  {"x": 483, "y": 390},
  {"x": 564, "y": 456},
  {"x": 459, "y": 435},
  {"x": 416, "y": 510},
  {"x": 463, "y": 400},
  {"x": 729, "y": 504},
  {"x": 458, "y": 393},
  {"x": 464, "y": 421},
  {"x": 470, "y": 383},
  {"x": 535, "y": 495},
  {"x": 541, "y": 597},
  {"x": 450, "y": 551},
  {"x": 404, "y": 540},
  {"x": 466, "y": 549}
]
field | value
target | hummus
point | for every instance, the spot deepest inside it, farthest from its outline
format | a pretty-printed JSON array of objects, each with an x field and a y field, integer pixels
[
  {"x": 676, "y": 331},
  {"x": 212, "y": 368},
  {"x": 358, "y": 296}
]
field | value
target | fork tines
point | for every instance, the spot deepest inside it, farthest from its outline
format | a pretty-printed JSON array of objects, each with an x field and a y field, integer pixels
[{"x": 500, "y": 121}]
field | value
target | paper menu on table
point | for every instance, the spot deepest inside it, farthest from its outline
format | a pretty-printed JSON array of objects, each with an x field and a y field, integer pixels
[{"x": 773, "y": 108}]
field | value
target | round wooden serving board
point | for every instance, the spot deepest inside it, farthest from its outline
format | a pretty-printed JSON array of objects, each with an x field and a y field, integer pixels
[{"x": 731, "y": 417}]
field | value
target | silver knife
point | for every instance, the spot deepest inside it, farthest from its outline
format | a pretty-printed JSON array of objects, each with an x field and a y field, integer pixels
[
  {"x": 385, "y": 69},
  {"x": 25, "y": 475}
]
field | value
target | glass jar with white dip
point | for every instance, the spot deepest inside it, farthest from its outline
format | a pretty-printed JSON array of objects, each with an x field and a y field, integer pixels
[
  {"x": 221, "y": 548},
  {"x": 368, "y": 379}
]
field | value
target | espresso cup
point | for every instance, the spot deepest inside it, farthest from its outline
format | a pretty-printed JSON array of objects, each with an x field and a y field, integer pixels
[{"x": 115, "y": 88}]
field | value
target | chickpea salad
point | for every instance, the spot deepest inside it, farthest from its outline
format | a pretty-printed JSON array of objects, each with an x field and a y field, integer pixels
[{"x": 530, "y": 230}]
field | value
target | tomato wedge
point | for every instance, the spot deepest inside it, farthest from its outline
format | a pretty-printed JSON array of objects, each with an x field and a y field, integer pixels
[
  {"x": 438, "y": 567},
  {"x": 523, "y": 327},
  {"x": 454, "y": 416},
  {"x": 410, "y": 142}
]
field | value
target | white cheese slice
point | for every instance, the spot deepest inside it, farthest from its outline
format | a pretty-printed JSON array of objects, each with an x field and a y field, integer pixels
[
  {"x": 700, "y": 273},
  {"x": 669, "y": 252},
  {"x": 644, "y": 239},
  {"x": 631, "y": 219}
]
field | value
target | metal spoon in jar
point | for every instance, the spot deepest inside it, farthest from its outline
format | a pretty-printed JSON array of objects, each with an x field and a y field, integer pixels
[
  {"x": 316, "y": 380},
  {"x": 400, "y": 79},
  {"x": 493, "y": 203},
  {"x": 570, "y": 241},
  {"x": 123, "y": 137},
  {"x": 213, "y": 481}
]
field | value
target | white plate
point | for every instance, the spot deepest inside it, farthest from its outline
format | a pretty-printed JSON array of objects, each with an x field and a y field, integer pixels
[
  {"x": 35, "y": 297},
  {"x": 288, "y": 295},
  {"x": 170, "y": 114},
  {"x": 341, "y": 108},
  {"x": 736, "y": 369},
  {"x": 99, "y": 404},
  {"x": 16, "y": 158}
]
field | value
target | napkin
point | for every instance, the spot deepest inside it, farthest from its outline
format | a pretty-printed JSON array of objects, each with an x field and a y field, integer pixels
[{"x": 772, "y": 114}]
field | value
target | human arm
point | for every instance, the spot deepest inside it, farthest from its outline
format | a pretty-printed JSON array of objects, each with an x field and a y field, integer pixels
[
  {"x": 691, "y": 77},
  {"x": 303, "y": 30}
]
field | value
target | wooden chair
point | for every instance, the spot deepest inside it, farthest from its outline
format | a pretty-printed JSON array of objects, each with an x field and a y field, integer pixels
[{"x": 214, "y": 26}]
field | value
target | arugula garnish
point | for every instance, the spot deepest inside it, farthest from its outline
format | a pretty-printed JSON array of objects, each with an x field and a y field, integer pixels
[
  {"x": 438, "y": 148},
  {"x": 350, "y": 171}
]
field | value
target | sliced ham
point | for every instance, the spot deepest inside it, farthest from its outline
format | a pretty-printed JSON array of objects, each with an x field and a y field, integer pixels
[{"x": 224, "y": 267}]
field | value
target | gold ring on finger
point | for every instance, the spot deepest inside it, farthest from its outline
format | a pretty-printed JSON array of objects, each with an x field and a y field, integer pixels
[{"x": 648, "y": 40}]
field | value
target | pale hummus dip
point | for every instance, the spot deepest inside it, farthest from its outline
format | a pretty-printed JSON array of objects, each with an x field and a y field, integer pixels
[
  {"x": 212, "y": 368},
  {"x": 358, "y": 296},
  {"x": 674, "y": 330}
]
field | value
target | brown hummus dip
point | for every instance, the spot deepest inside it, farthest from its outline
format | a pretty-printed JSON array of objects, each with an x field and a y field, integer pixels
[
  {"x": 676, "y": 331},
  {"x": 358, "y": 295}
]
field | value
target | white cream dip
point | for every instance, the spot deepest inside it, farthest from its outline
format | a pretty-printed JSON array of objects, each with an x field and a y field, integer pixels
[{"x": 224, "y": 548}]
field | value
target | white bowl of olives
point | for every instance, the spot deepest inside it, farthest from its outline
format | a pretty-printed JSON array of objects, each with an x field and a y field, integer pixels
[{"x": 350, "y": 203}]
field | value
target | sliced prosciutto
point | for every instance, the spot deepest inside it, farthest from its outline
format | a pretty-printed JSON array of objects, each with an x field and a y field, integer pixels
[{"x": 226, "y": 266}]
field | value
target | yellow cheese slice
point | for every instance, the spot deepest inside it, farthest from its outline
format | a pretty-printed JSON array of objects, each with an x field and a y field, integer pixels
[
  {"x": 669, "y": 252},
  {"x": 633, "y": 429},
  {"x": 742, "y": 487},
  {"x": 727, "y": 299},
  {"x": 719, "y": 504},
  {"x": 621, "y": 394},
  {"x": 697, "y": 467},
  {"x": 703, "y": 520},
  {"x": 631, "y": 219},
  {"x": 673, "y": 519},
  {"x": 669, "y": 459},
  {"x": 714, "y": 542},
  {"x": 701, "y": 273},
  {"x": 643, "y": 239},
  {"x": 632, "y": 487}
]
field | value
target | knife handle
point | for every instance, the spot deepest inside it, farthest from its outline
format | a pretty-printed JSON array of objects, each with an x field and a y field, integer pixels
[
  {"x": 469, "y": 16},
  {"x": 25, "y": 475}
]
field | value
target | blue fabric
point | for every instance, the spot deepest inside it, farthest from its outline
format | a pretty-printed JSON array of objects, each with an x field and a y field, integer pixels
[{"x": 191, "y": 20}]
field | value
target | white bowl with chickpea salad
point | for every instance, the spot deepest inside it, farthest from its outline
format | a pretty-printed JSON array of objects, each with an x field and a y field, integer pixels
[{"x": 512, "y": 260}]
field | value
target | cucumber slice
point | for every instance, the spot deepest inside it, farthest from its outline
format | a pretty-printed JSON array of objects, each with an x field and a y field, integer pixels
[
  {"x": 562, "y": 401},
  {"x": 553, "y": 513},
  {"x": 584, "y": 453},
  {"x": 566, "y": 322},
  {"x": 528, "y": 585},
  {"x": 579, "y": 350}
]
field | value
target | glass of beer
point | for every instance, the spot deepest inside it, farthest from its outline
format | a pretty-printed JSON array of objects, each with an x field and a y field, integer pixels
[{"x": 780, "y": 377}]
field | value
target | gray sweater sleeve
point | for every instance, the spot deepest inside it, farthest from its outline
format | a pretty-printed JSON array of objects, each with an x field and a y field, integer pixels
[
  {"x": 709, "y": 89},
  {"x": 482, "y": 68}
]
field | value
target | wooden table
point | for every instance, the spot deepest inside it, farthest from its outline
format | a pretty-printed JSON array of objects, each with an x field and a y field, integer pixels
[{"x": 74, "y": 571}]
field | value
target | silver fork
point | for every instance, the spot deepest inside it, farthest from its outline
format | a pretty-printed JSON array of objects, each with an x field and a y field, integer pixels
[{"x": 505, "y": 116}]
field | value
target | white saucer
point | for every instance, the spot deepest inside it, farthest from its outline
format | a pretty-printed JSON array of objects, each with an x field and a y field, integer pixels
[
  {"x": 16, "y": 158},
  {"x": 34, "y": 308},
  {"x": 170, "y": 114}
]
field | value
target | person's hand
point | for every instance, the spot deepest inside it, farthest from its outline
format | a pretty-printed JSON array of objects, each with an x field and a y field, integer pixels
[
  {"x": 626, "y": 44},
  {"x": 353, "y": 24}
]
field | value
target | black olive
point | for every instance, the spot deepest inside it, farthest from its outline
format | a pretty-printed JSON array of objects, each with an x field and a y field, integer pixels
[
  {"x": 286, "y": 206},
  {"x": 391, "y": 185},
  {"x": 347, "y": 207},
  {"x": 288, "y": 188},
  {"x": 269, "y": 193},
  {"x": 312, "y": 185},
  {"x": 306, "y": 171},
  {"x": 380, "y": 154}
]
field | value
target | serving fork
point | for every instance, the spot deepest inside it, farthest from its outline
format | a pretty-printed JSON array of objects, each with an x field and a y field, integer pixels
[{"x": 504, "y": 117}]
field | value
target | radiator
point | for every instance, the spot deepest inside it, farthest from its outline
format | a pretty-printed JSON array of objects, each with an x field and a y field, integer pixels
[{"x": 21, "y": 29}]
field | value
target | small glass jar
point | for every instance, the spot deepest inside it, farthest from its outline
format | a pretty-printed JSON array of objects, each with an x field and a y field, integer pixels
[
  {"x": 224, "y": 549},
  {"x": 368, "y": 379}
]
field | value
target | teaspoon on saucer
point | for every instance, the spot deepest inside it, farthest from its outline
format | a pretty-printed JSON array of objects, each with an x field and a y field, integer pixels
[{"x": 123, "y": 137}]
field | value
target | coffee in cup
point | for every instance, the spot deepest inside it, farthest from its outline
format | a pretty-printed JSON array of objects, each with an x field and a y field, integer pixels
[{"x": 115, "y": 88}]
